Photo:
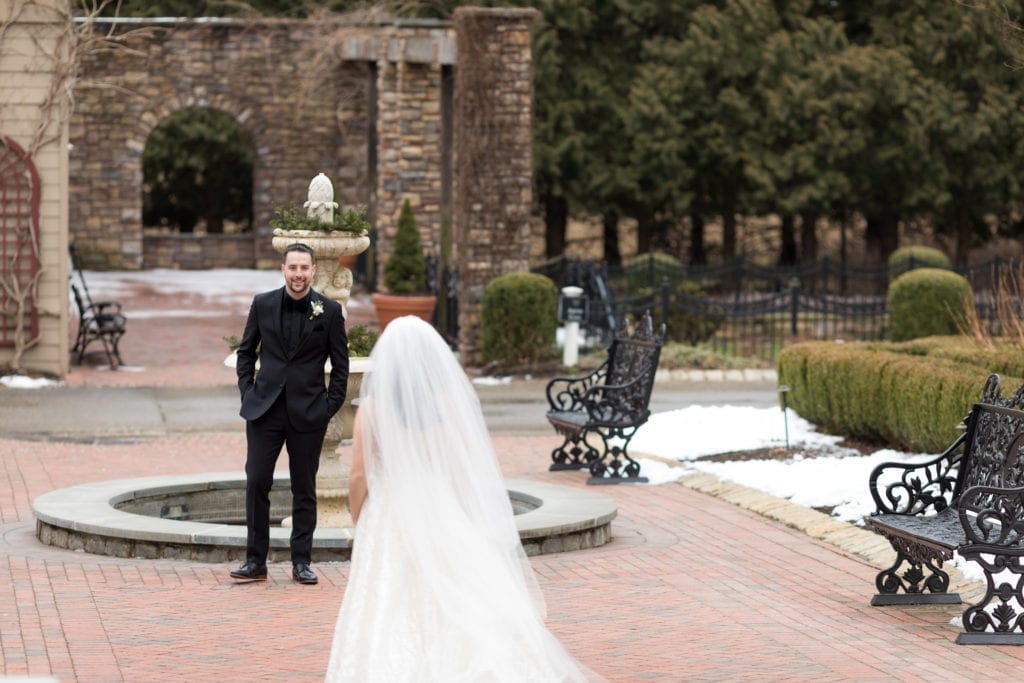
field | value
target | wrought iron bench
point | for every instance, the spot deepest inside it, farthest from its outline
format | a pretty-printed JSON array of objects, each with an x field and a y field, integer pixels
[
  {"x": 969, "y": 500},
  {"x": 103, "y": 321},
  {"x": 611, "y": 403}
]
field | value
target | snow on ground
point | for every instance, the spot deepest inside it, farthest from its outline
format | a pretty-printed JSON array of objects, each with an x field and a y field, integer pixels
[{"x": 819, "y": 473}]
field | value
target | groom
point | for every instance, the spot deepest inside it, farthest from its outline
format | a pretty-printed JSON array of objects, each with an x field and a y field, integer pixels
[{"x": 292, "y": 331}]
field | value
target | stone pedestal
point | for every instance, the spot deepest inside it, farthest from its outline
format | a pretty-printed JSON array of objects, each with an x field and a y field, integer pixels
[{"x": 332, "y": 477}]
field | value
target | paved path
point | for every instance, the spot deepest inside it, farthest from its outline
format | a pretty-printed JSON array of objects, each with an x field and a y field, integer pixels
[{"x": 704, "y": 581}]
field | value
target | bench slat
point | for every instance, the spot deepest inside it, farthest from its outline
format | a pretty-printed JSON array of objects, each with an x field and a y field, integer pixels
[{"x": 942, "y": 532}]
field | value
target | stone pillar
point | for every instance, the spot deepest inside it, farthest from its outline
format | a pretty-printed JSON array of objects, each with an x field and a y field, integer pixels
[
  {"x": 408, "y": 139},
  {"x": 494, "y": 153}
]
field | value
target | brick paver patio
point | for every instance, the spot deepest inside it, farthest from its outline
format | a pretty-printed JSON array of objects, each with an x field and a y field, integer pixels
[{"x": 692, "y": 588}]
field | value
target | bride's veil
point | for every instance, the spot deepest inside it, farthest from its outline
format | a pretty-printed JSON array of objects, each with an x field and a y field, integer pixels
[
  {"x": 444, "y": 591},
  {"x": 429, "y": 457}
]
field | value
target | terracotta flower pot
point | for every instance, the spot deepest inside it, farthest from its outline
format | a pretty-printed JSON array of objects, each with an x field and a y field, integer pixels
[{"x": 391, "y": 306}]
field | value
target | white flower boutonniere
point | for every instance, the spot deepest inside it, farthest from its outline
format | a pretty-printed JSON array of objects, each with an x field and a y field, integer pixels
[{"x": 317, "y": 307}]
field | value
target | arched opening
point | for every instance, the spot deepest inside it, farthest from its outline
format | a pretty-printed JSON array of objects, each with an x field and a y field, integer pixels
[{"x": 197, "y": 175}]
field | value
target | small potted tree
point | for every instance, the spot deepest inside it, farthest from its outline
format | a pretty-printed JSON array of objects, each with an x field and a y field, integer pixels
[{"x": 405, "y": 276}]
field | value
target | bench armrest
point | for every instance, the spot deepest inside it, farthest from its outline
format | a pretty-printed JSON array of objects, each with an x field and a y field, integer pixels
[
  {"x": 916, "y": 488},
  {"x": 998, "y": 524},
  {"x": 102, "y": 306},
  {"x": 618, "y": 403},
  {"x": 566, "y": 393}
]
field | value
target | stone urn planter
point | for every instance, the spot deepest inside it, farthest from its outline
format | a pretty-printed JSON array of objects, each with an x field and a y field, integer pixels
[{"x": 332, "y": 280}]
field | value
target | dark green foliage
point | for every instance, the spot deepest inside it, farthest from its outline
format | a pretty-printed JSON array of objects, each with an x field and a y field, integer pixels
[
  {"x": 519, "y": 318},
  {"x": 909, "y": 395},
  {"x": 197, "y": 166},
  {"x": 361, "y": 340},
  {"x": 346, "y": 220},
  {"x": 916, "y": 256},
  {"x": 405, "y": 271},
  {"x": 927, "y": 302}
]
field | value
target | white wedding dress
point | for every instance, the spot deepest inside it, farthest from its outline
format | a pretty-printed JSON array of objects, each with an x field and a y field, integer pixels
[{"x": 439, "y": 589}]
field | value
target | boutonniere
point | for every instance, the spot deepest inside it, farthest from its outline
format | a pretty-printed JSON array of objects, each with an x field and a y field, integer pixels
[{"x": 317, "y": 307}]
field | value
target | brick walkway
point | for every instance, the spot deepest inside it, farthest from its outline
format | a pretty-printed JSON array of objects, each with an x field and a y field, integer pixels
[{"x": 693, "y": 587}]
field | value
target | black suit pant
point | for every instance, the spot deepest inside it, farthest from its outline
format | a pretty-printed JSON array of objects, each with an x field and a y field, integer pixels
[{"x": 265, "y": 436}]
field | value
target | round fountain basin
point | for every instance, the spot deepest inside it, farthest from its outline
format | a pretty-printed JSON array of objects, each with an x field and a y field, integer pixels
[{"x": 202, "y": 517}]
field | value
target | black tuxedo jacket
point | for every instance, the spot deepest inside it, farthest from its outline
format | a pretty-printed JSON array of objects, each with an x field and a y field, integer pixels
[{"x": 311, "y": 403}]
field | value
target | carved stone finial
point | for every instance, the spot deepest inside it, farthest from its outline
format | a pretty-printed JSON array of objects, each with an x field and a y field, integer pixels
[{"x": 320, "y": 202}]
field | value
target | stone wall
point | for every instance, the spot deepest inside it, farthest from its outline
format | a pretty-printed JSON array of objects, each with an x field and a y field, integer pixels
[
  {"x": 198, "y": 252},
  {"x": 34, "y": 46},
  {"x": 494, "y": 148},
  {"x": 359, "y": 103}
]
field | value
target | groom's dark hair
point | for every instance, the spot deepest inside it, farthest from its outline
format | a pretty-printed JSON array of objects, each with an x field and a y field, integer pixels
[{"x": 299, "y": 247}]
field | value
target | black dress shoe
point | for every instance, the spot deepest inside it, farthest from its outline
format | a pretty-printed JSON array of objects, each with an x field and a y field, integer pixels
[
  {"x": 250, "y": 571},
  {"x": 303, "y": 574}
]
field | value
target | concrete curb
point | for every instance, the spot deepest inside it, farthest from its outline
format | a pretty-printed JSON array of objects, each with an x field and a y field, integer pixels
[{"x": 733, "y": 375}]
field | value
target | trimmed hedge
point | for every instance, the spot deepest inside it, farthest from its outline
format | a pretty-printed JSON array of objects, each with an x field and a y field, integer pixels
[
  {"x": 927, "y": 302},
  {"x": 911, "y": 395},
  {"x": 519, "y": 318},
  {"x": 916, "y": 256}
]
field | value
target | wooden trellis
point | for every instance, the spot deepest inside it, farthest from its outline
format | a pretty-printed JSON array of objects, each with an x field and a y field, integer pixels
[{"x": 19, "y": 245}]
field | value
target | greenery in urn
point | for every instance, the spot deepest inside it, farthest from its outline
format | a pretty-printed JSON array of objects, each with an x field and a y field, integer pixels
[
  {"x": 405, "y": 272},
  {"x": 351, "y": 220},
  {"x": 361, "y": 339}
]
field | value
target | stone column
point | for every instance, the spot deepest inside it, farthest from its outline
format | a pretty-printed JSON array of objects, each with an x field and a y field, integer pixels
[
  {"x": 409, "y": 134},
  {"x": 494, "y": 153}
]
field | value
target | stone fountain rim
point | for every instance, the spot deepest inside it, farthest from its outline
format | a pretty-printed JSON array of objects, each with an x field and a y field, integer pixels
[{"x": 88, "y": 509}]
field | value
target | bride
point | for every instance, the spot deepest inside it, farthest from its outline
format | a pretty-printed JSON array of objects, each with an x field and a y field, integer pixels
[{"x": 440, "y": 588}]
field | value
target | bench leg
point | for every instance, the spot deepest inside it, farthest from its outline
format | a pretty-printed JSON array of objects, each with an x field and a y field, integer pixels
[
  {"x": 573, "y": 454},
  {"x": 998, "y": 618},
  {"x": 923, "y": 573},
  {"x": 614, "y": 466}
]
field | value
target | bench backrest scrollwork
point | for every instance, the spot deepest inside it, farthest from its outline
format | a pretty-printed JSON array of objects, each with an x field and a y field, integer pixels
[
  {"x": 632, "y": 363},
  {"x": 994, "y": 456}
]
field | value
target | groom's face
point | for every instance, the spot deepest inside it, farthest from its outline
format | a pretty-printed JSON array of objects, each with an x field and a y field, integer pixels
[{"x": 298, "y": 269}]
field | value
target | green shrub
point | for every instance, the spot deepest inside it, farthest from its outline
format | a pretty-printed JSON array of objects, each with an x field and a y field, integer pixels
[
  {"x": 519, "y": 318},
  {"x": 688, "y": 326},
  {"x": 910, "y": 258},
  {"x": 911, "y": 395},
  {"x": 927, "y": 302},
  {"x": 361, "y": 340},
  {"x": 405, "y": 271}
]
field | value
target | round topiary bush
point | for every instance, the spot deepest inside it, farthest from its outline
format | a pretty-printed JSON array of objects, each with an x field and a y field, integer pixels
[
  {"x": 909, "y": 258},
  {"x": 927, "y": 302},
  {"x": 519, "y": 317}
]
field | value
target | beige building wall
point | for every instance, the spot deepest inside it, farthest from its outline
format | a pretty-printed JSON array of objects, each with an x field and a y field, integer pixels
[{"x": 34, "y": 50}]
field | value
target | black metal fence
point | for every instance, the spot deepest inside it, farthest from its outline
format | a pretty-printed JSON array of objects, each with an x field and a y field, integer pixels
[
  {"x": 444, "y": 284},
  {"x": 743, "y": 309}
]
